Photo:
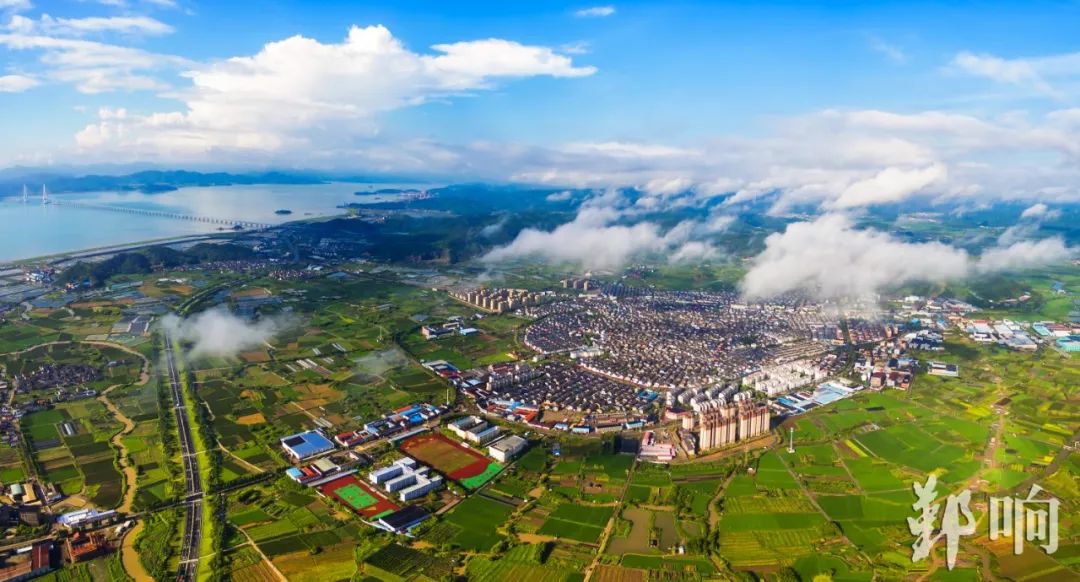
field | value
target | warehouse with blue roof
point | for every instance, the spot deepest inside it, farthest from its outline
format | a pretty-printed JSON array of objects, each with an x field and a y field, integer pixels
[{"x": 304, "y": 445}]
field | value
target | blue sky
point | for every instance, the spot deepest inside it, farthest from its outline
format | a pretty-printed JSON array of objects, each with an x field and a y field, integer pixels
[
  {"x": 704, "y": 76},
  {"x": 827, "y": 107}
]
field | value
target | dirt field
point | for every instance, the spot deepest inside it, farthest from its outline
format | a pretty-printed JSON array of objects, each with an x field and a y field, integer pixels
[{"x": 446, "y": 456}]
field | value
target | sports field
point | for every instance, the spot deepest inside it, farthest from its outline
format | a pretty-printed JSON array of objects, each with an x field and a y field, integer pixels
[
  {"x": 356, "y": 494},
  {"x": 462, "y": 464}
]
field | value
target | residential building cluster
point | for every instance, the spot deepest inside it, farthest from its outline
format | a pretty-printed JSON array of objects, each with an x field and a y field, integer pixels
[
  {"x": 681, "y": 339},
  {"x": 783, "y": 378},
  {"x": 886, "y": 364},
  {"x": 496, "y": 300},
  {"x": 49, "y": 376},
  {"x": 556, "y": 385},
  {"x": 864, "y": 331},
  {"x": 719, "y": 425}
]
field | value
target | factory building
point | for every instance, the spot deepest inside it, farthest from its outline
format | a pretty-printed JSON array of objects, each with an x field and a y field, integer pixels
[{"x": 508, "y": 448}]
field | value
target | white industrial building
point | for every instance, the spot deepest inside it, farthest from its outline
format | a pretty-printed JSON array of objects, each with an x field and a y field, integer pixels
[{"x": 507, "y": 448}]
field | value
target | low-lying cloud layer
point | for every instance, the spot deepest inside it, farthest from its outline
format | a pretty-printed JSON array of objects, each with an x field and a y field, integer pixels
[
  {"x": 605, "y": 235},
  {"x": 829, "y": 258},
  {"x": 219, "y": 333}
]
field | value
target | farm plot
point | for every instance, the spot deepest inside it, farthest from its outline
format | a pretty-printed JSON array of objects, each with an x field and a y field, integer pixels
[
  {"x": 577, "y": 522},
  {"x": 473, "y": 524},
  {"x": 401, "y": 562},
  {"x": 765, "y": 524}
]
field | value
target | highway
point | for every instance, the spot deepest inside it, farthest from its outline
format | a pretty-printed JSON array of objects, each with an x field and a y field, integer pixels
[{"x": 189, "y": 550}]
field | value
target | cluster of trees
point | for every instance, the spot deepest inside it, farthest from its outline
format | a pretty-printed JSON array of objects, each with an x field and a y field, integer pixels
[
  {"x": 145, "y": 261},
  {"x": 154, "y": 543}
]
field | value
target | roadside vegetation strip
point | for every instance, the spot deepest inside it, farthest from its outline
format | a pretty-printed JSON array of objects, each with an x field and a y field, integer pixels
[{"x": 212, "y": 534}]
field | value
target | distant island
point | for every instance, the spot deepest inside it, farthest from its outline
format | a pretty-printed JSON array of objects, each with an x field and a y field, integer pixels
[
  {"x": 387, "y": 191},
  {"x": 392, "y": 195},
  {"x": 283, "y": 211}
]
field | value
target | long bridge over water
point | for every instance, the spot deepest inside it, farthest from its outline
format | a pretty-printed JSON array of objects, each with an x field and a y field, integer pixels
[{"x": 229, "y": 222}]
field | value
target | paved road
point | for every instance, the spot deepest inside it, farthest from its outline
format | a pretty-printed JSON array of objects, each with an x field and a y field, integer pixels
[{"x": 189, "y": 549}]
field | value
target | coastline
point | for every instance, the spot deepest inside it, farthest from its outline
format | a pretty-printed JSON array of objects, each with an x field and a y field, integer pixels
[{"x": 96, "y": 251}]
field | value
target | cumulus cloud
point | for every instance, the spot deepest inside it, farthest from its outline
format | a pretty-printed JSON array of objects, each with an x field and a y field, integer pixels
[
  {"x": 589, "y": 240},
  {"x": 596, "y": 240},
  {"x": 889, "y": 185},
  {"x": 1024, "y": 255},
  {"x": 595, "y": 12},
  {"x": 560, "y": 196},
  {"x": 300, "y": 91},
  {"x": 830, "y": 258},
  {"x": 1039, "y": 211},
  {"x": 609, "y": 230},
  {"x": 218, "y": 332},
  {"x": 17, "y": 83}
]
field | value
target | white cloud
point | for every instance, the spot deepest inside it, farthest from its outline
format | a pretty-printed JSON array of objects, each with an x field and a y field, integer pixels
[
  {"x": 15, "y": 5},
  {"x": 830, "y": 258},
  {"x": 595, "y": 12},
  {"x": 719, "y": 223},
  {"x": 17, "y": 83},
  {"x": 99, "y": 24},
  {"x": 837, "y": 159},
  {"x": 890, "y": 185},
  {"x": 891, "y": 51},
  {"x": 125, "y": 3},
  {"x": 595, "y": 241},
  {"x": 299, "y": 91},
  {"x": 93, "y": 67},
  {"x": 693, "y": 252},
  {"x": 1024, "y": 255},
  {"x": 1040, "y": 211},
  {"x": 560, "y": 196},
  {"x": 1034, "y": 74},
  {"x": 219, "y": 333}
]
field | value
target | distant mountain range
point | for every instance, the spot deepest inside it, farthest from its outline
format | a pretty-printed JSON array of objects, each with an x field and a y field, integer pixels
[{"x": 150, "y": 181}]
